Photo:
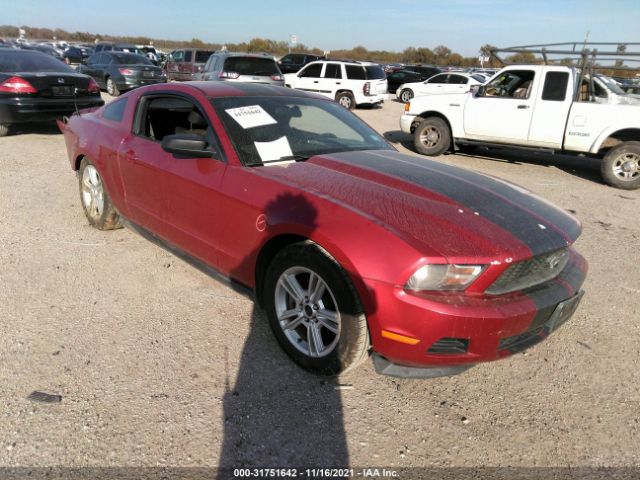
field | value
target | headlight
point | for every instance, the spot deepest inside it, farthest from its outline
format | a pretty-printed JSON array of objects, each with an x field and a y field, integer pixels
[{"x": 443, "y": 277}]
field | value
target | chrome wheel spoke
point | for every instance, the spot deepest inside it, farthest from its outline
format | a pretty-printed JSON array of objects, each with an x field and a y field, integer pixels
[
  {"x": 314, "y": 340},
  {"x": 292, "y": 287},
  {"x": 329, "y": 320},
  {"x": 293, "y": 323},
  {"x": 316, "y": 288}
]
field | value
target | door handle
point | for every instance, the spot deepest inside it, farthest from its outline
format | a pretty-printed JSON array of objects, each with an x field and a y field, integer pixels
[
  {"x": 523, "y": 107},
  {"x": 338, "y": 83},
  {"x": 315, "y": 81}
]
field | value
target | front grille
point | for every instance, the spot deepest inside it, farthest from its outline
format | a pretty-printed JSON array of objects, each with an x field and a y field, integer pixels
[
  {"x": 530, "y": 272},
  {"x": 450, "y": 346},
  {"x": 521, "y": 342}
]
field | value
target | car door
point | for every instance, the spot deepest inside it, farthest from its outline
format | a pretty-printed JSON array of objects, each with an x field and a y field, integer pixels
[
  {"x": 433, "y": 86},
  {"x": 180, "y": 195},
  {"x": 89, "y": 67},
  {"x": 456, "y": 84},
  {"x": 503, "y": 111},
  {"x": 175, "y": 58},
  {"x": 309, "y": 78},
  {"x": 331, "y": 79}
]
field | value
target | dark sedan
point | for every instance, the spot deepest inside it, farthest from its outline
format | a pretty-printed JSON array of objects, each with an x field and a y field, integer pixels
[
  {"x": 46, "y": 49},
  {"x": 117, "y": 72},
  {"x": 35, "y": 87},
  {"x": 399, "y": 77},
  {"x": 76, "y": 54}
]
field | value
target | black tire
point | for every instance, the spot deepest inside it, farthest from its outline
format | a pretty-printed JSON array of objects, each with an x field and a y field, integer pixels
[
  {"x": 4, "y": 130},
  {"x": 346, "y": 100},
  {"x": 112, "y": 88},
  {"x": 406, "y": 95},
  {"x": 432, "y": 136},
  {"x": 620, "y": 167},
  {"x": 107, "y": 217},
  {"x": 347, "y": 347}
]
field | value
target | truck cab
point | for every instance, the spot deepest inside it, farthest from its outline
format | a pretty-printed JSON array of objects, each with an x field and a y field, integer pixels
[{"x": 550, "y": 107}]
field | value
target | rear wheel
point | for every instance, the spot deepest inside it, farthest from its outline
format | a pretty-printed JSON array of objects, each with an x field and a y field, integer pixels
[
  {"x": 620, "y": 167},
  {"x": 314, "y": 311},
  {"x": 4, "y": 130},
  {"x": 112, "y": 88},
  {"x": 95, "y": 200},
  {"x": 346, "y": 100},
  {"x": 406, "y": 95},
  {"x": 432, "y": 136}
]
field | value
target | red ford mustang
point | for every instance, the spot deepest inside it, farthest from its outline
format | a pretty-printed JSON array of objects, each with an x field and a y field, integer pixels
[{"x": 350, "y": 247}]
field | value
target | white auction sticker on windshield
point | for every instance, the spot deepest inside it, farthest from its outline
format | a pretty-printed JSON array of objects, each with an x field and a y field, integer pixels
[
  {"x": 251, "y": 116},
  {"x": 273, "y": 150}
]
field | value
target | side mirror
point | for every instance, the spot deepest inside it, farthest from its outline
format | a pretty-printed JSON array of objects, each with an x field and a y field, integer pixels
[
  {"x": 186, "y": 145},
  {"x": 474, "y": 90},
  {"x": 478, "y": 90}
]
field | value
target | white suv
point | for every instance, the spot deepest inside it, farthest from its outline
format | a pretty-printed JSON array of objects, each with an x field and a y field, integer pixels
[{"x": 349, "y": 83}]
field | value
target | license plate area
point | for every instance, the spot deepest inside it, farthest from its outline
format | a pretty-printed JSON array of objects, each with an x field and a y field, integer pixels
[
  {"x": 147, "y": 74},
  {"x": 62, "y": 90},
  {"x": 563, "y": 312}
]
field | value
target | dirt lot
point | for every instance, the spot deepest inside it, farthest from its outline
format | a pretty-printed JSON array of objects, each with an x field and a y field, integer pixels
[{"x": 159, "y": 365}]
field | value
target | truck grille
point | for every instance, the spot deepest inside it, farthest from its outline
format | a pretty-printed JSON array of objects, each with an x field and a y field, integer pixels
[{"x": 530, "y": 272}]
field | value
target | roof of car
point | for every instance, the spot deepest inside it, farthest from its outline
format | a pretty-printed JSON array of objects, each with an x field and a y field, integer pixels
[{"x": 239, "y": 89}]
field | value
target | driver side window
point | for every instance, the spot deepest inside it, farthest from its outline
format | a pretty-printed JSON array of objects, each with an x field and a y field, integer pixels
[
  {"x": 511, "y": 84},
  {"x": 158, "y": 117}
]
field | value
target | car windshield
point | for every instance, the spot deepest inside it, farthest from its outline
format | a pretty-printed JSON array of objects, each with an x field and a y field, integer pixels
[
  {"x": 271, "y": 128},
  {"x": 251, "y": 66},
  {"x": 22, "y": 61},
  {"x": 130, "y": 59}
]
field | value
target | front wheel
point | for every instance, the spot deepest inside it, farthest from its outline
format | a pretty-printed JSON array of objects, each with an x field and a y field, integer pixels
[
  {"x": 406, "y": 95},
  {"x": 95, "y": 200},
  {"x": 314, "y": 311},
  {"x": 620, "y": 167},
  {"x": 346, "y": 100},
  {"x": 432, "y": 136},
  {"x": 112, "y": 88}
]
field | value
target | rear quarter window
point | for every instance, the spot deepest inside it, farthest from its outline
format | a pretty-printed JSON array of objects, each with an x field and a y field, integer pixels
[
  {"x": 374, "y": 72},
  {"x": 115, "y": 110},
  {"x": 355, "y": 72}
]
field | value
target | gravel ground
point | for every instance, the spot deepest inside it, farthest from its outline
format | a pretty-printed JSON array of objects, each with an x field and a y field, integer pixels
[{"x": 160, "y": 365}]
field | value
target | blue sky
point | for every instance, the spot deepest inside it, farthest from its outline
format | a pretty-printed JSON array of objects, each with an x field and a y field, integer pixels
[{"x": 462, "y": 25}]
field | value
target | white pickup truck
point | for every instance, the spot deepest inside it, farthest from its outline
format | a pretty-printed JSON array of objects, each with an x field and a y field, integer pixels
[{"x": 532, "y": 106}]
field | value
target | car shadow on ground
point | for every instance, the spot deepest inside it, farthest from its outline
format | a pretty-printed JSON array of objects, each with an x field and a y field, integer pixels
[
  {"x": 584, "y": 167},
  {"x": 34, "y": 128},
  {"x": 276, "y": 414}
]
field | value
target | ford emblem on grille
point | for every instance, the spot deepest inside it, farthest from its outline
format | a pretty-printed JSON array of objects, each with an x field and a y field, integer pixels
[
  {"x": 61, "y": 80},
  {"x": 554, "y": 261}
]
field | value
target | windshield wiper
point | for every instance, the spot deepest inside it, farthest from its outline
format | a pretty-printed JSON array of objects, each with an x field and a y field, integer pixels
[{"x": 297, "y": 158}]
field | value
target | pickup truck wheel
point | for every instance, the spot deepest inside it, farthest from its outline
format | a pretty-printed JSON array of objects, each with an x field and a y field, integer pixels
[
  {"x": 4, "y": 130},
  {"x": 621, "y": 166},
  {"x": 406, "y": 95},
  {"x": 112, "y": 88},
  {"x": 346, "y": 100},
  {"x": 314, "y": 311},
  {"x": 432, "y": 137},
  {"x": 95, "y": 200}
]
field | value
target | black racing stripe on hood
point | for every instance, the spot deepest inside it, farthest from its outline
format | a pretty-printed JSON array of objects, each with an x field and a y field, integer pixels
[{"x": 515, "y": 211}]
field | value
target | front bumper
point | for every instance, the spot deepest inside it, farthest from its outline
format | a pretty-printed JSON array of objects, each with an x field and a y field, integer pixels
[
  {"x": 32, "y": 110},
  {"x": 406, "y": 121},
  {"x": 448, "y": 330}
]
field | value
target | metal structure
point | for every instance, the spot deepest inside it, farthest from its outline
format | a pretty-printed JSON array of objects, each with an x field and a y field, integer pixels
[{"x": 588, "y": 56}]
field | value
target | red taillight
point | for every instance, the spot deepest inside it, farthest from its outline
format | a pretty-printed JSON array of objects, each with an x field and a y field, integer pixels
[
  {"x": 93, "y": 86},
  {"x": 229, "y": 75},
  {"x": 125, "y": 71},
  {"x": 16, "y": 85},
  {"x": 277, "y": 78},
  {"x": 367, "y": 88}
]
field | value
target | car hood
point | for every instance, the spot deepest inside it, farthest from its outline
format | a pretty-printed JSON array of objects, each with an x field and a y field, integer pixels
[{"x": 435, "y": 207}]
